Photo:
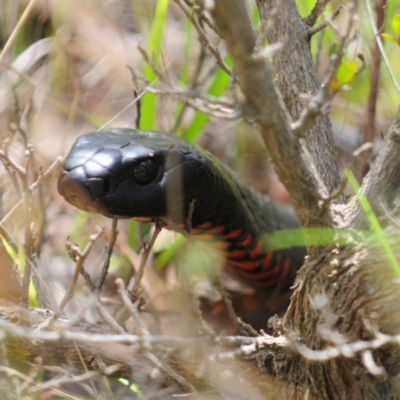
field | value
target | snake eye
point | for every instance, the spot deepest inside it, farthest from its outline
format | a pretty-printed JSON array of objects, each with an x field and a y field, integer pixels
[{"x": 145, "y": 171}]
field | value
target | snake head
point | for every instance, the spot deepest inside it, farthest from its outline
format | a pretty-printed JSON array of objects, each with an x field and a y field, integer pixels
[{"x": 126, "y": 173}]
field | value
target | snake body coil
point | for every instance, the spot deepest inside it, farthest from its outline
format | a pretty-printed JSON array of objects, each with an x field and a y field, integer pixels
[{"x": 147, "y": 175}]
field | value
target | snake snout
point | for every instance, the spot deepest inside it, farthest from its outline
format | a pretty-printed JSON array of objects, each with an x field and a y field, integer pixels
[{"x": 75, "y": 188}]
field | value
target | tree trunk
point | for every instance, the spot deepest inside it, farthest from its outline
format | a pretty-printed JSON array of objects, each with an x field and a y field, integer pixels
[{"x": 342, "y": 318}]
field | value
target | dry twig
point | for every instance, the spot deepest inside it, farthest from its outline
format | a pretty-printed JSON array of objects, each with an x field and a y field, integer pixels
[
  {"x": 203, "y": 37},
  {"x": 79, "y": 258},
  {"x": 320, "y": 103},
  {"x": 104, "y": 271}
]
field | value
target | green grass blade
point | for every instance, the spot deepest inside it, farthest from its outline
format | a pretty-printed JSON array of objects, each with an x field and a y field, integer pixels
[
  {"x": 302, "y": 237},
  {"x": 166, "y": 255},
  {"x": 373, "y": 221},
  {"x": 184, "y": 79},
  {"x": 149, "y": 103},
  {"x": 217, "y": 88}
]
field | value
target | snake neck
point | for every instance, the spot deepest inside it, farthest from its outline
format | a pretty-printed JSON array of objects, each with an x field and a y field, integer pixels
[{"x": 239, "y": 224}]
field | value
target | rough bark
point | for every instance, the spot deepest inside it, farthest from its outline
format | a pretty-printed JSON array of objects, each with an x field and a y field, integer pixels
[
  {"x": 346, "y": 297},
  {"x": 264, "y": 105},
  {"x": 297, "y": 80}
]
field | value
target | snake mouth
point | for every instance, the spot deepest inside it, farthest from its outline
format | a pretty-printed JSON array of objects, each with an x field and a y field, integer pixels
[
  {"x": 77, "y": 190},
  {"x": 77, "y": 193}
]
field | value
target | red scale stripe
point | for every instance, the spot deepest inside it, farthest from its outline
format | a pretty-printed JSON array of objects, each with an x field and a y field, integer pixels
[
  {"x": 245, "y": 265},
  {"x": 237, "y": 254},
  {"x": 276, "y": 269},
  {"x": 266, "y": 262},
  {"x": 259, "y": 276},
  {"x": 233, "y": 234},
  {"x": 256, "y": 252},
  {"x": 217, "y": 229},
  {"x": 247, "y": 240},
  {"x": 204, "y": 225}
]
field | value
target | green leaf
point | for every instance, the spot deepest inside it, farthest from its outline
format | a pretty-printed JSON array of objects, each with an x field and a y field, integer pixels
[
  {"x": 396, "y": 24},
  {"x": 134, "y": 387},
  {"x": 149, "y": 104},
  {"x": 346, "y": 72},
  {"x": 333, "y": 49},
  {"x": 304, "y": 7},
  {"x": 19, "y": 259},
  {"x": 388, "y": 37},
  {"x": 169, "y": 251},
  {"x": 32, "y": 296}
]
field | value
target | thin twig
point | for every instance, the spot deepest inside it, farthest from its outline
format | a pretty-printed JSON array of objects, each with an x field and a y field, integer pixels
[
  {"x": 65, "y": 380},
  {"x": 134, "y": 291},
  {"x": 130, "y": 308},
  {"x": 323, "y": 25},
  {"x": 79, "y": 258},
  {"x": 169, "y": 371},
  {"x": 136, "y": 96},
  {"x": 104, "y": 271},
  {"x": 379, "y": 42},
  {"x": 20, "y": 23},
  {"x": 33, "y": 376},
  {"x": 203, "y": 37},
  {"x": 108, "y": 318},
  {"x": 199, "y": 10},
  {"x": 316, "y": 12},
  {"x": 321, "y": 101},
  {"x": 26, "y": 190},
  {"x": 325, "y": 201},
  {"x": 216, "y": 108},
  {"x": 160, "y": 74},
  {"x": 145, "y": 255},
  {"x": 194, "y": 84},
  {"x": 241, "y": 326},
  {"x": 370, "y": 125}
]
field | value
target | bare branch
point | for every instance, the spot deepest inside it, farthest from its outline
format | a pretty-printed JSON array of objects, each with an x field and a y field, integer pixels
[
  {"x": 218, "y": 108},
  {"x": 382, "y": 50},
  {"x": 319, "y": 28},
  {"x": 110, "y": 249},
  {"x": 127, "y": 300},
  {"x": 242, "y": 327},
  {"x": 338, "y": 192},
  {"x": 316, "y": 12},
  {"x": 203, "y": 37},
  {"x": 369, "y": 128},
  {"x": 145, "y": 255},
  {"x": 79, "y": 257},
  {"x": 320, "y": 103}
]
